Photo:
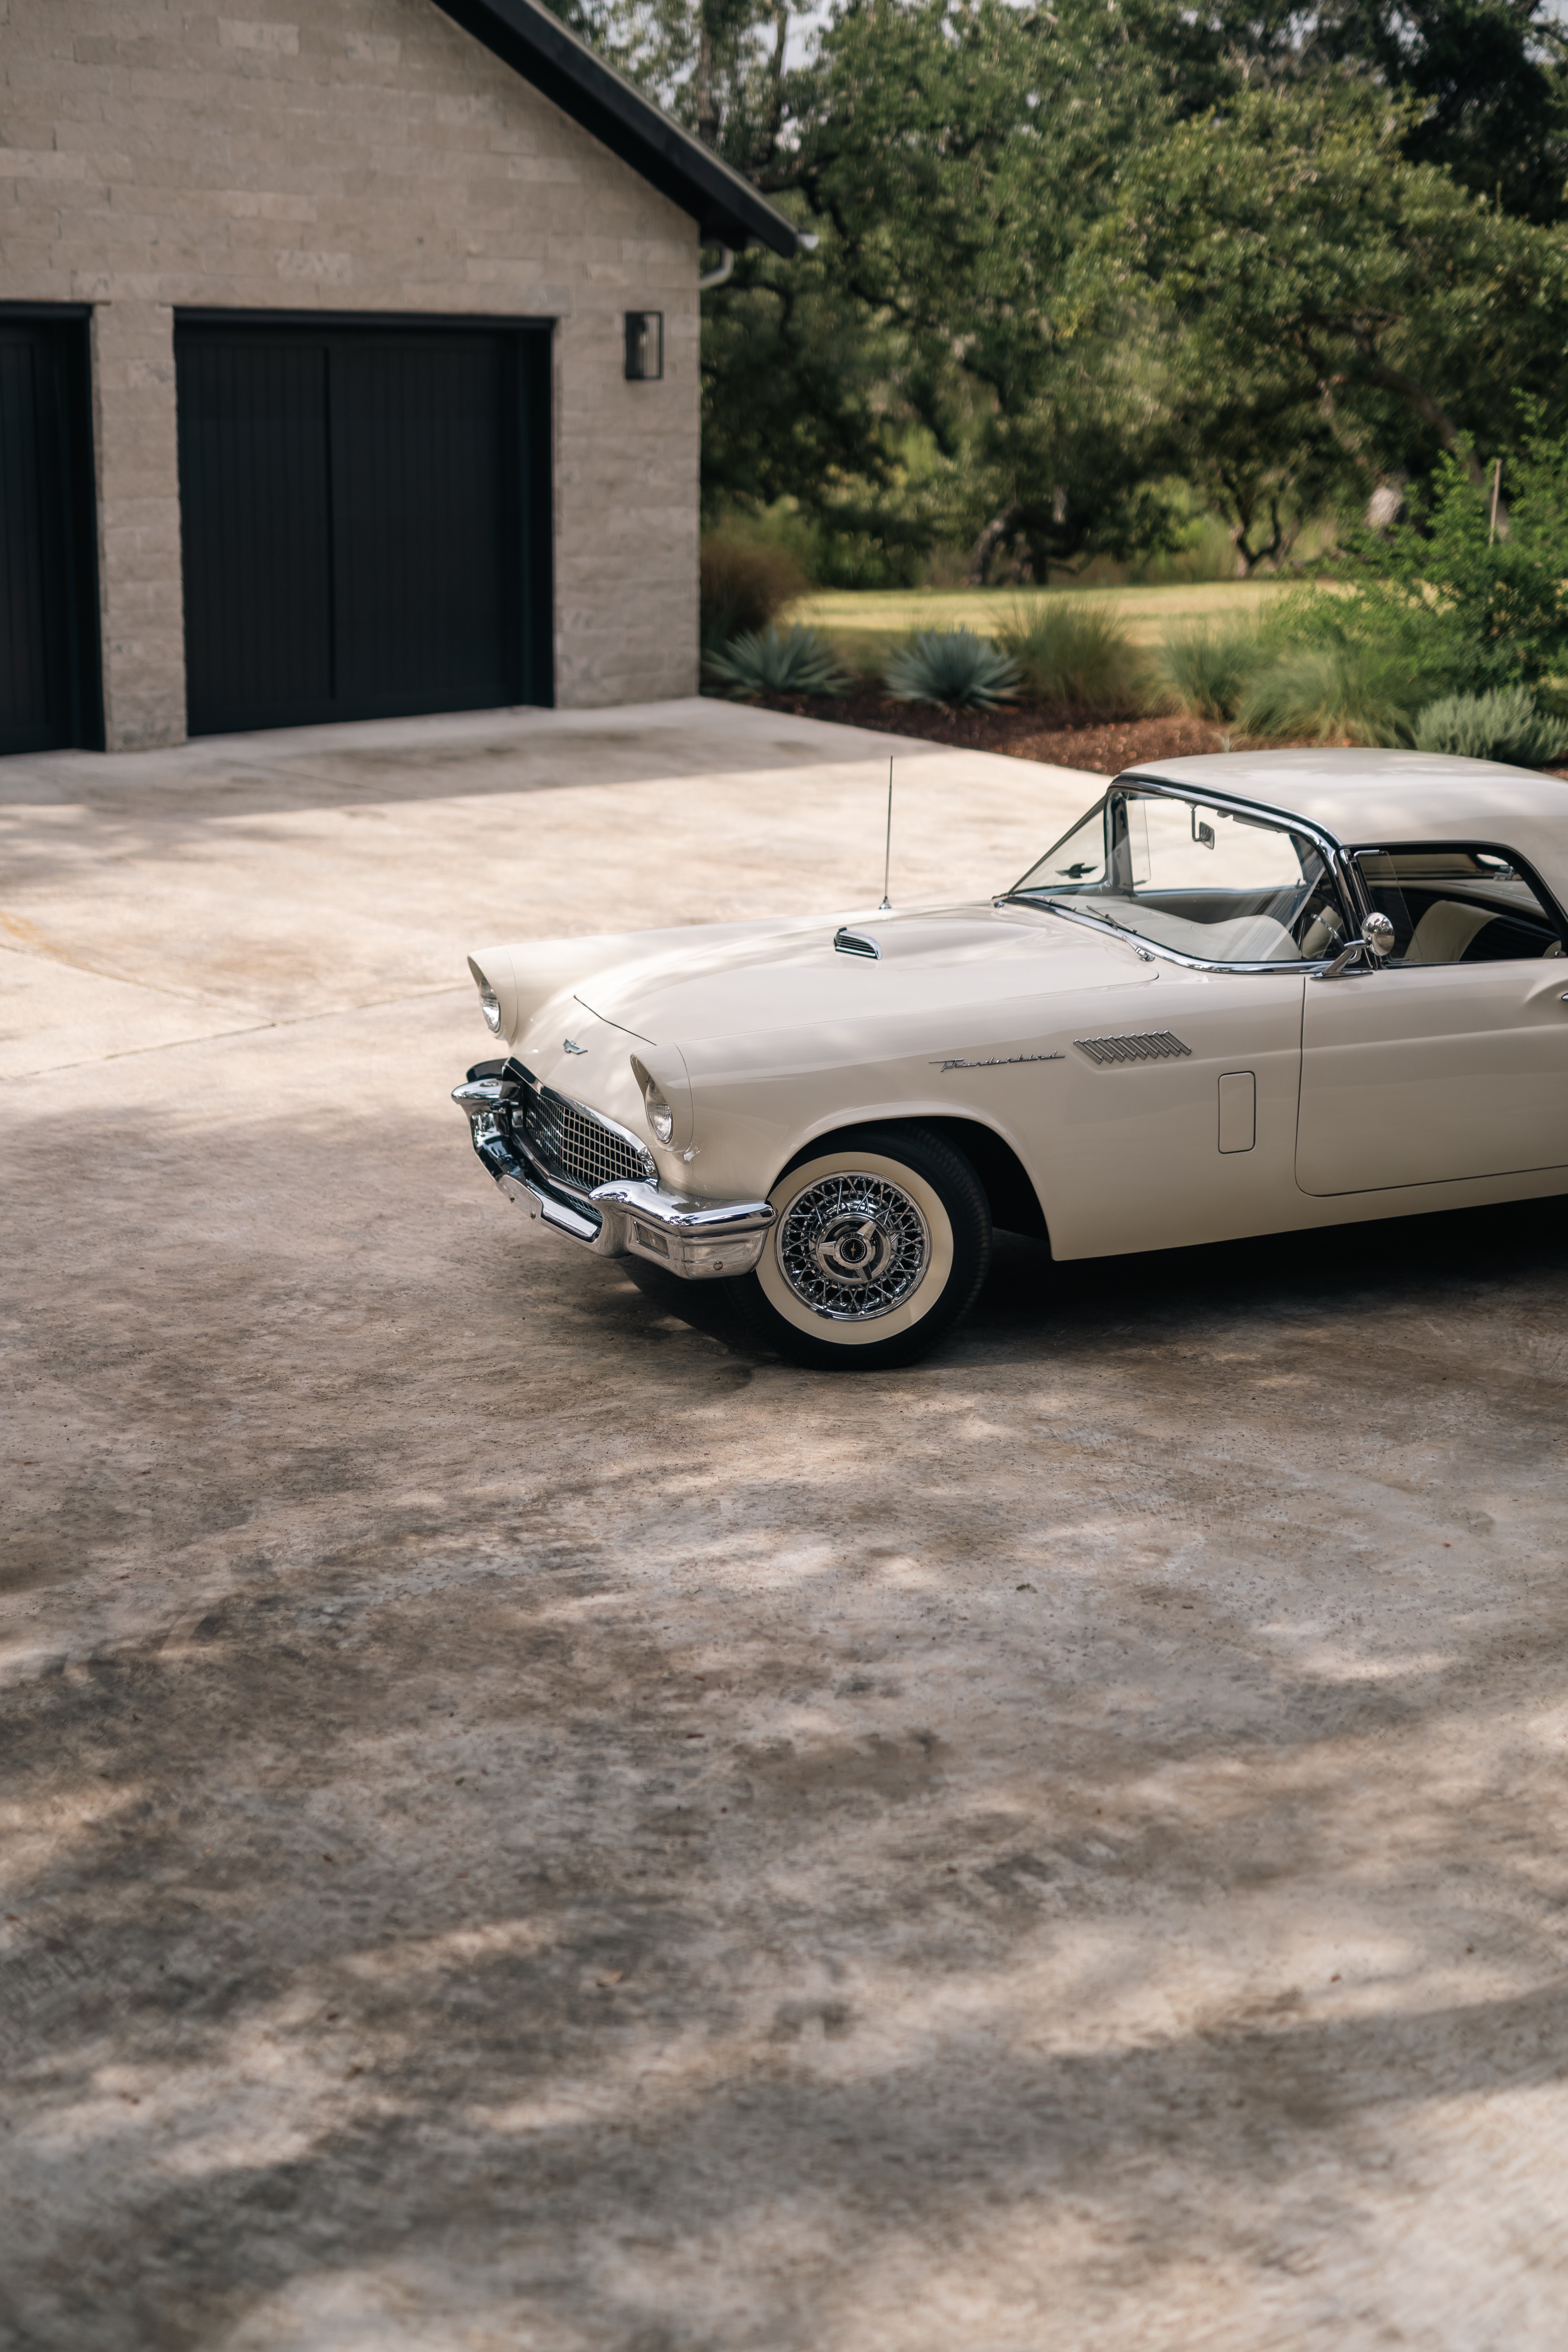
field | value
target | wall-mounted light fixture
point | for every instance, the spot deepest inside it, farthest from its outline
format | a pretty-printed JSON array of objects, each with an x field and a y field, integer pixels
[{"x": 644, "y": 346}]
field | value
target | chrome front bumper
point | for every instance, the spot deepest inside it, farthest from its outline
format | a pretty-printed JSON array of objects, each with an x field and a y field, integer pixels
[{"x": 625, "y": 1219}]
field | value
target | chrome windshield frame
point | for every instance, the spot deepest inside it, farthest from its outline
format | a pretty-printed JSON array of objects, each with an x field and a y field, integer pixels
[{"x": 1341, "y": 866}]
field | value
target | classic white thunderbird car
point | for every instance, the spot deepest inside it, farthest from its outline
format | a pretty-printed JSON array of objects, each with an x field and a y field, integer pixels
[{"x": 1246, "y": 995}]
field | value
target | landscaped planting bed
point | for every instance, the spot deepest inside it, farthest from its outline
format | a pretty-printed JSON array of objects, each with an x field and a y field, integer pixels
[{"x": 1103, "y": 746}]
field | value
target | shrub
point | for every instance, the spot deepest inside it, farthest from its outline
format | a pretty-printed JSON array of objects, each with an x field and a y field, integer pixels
[
  {"x": 1072, "y": 652},
  {"x": 745, "y": 582},
  {"x": 1335, "y": 691},
  {"x": 1205, "y": 551},
  {"x": 1209, "y": 669},
  {"x": 952, "y": 666},
  {"x": 1507, "y": 725},
  {"x": 766, "y": 663},
  {"x": 1467, "y": 611}
]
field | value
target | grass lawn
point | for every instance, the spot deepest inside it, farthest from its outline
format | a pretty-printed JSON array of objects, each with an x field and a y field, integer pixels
[{"x": 865, "y": 623}]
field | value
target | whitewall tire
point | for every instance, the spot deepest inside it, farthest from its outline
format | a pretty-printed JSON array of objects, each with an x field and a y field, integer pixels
[{"x": 882, "y": 1241}]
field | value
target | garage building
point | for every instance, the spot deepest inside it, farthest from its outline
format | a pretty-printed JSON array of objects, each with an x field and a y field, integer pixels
[{"x": 348, "y": 367}]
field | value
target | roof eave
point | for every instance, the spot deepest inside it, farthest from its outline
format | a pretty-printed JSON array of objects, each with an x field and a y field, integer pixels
[{"x": 537, "y": 45}]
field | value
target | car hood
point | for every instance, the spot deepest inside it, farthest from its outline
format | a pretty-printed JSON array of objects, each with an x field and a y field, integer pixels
[{"x": 787, "y": 976}]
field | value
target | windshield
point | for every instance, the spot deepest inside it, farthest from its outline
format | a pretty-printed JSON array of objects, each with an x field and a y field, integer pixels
[{"x": 1205, "y": 881}]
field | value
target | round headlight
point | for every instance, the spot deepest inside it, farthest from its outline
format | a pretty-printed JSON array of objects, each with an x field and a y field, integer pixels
[
  {"x": 489, "y": 1005},
  {"x": 660, "y": 1116}
]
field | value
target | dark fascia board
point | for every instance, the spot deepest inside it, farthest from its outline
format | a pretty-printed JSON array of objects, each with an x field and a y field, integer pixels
[{"x": 537, "y": 45}]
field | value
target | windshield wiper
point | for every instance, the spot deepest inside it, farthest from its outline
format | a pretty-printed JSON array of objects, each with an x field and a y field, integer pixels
[
  {"x": 1033, "y": 898},
  {"x": 1094, "y": 913},
  {"x": 1068, "y": 907}
]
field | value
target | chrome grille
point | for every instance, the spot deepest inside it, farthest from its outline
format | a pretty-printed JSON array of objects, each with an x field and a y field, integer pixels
[{"x": 569, "y": 1144}]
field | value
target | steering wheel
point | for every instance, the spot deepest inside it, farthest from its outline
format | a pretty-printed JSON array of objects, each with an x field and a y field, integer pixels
[{"x": 1320, "y": 928}]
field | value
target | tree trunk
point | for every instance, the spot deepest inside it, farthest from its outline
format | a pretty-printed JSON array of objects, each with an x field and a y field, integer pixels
[
  {"x": 992, "y": 539},
  {"x": 1386, "y": 504},
  {"x": 707, "y": 96}
]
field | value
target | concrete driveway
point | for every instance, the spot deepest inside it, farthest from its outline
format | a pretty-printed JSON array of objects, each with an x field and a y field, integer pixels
[{"x": 528, "y": 1825}]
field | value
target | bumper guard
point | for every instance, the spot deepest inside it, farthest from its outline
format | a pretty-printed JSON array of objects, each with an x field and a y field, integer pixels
[{"x": 696, "y": 1240}]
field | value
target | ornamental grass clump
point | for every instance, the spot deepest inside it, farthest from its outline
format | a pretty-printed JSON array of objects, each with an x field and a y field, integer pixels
[
  {"x": 1208, "y": 670},
  {"x": 1337, "y": 691},
  {"x": 763, "y": 662},
  {"x": 1509, "y": 724},
  {"x": 1078, "y": 656},
  {"x": 952, "y": 667}
]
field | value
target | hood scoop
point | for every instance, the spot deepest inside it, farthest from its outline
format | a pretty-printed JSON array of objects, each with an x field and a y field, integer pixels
[{"x": 948, "y": 935}]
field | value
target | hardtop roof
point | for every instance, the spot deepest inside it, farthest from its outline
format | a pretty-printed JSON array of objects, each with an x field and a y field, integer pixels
[{"x": 1371, "y": 799}]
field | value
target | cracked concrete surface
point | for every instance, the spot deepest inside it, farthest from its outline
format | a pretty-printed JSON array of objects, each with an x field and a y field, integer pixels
[{"x": 531, "y": 1825}]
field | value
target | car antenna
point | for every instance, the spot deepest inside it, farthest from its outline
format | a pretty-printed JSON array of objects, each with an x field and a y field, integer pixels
[{"x": 886, "y": 906}]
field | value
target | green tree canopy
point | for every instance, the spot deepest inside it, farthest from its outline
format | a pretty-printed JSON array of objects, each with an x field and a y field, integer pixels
[
  {"x": 1310, "y": 293},
  {"x": 1075, "y": 251}
]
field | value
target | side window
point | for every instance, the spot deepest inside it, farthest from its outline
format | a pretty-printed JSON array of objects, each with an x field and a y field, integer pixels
[{"x": 1450, "y": 904}]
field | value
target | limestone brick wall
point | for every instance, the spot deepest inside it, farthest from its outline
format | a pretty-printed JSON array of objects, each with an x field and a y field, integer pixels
[{"x": 347, "y": 155}]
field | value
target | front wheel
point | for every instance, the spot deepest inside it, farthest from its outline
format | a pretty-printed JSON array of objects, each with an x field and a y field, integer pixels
[{"x": 882, "y": 1240}]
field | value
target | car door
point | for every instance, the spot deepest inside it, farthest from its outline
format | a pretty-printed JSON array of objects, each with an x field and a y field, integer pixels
[
  {"x": 1173, "y": 1120},
  {"x": 1450, "y": 1060},
  {"x": 1176, "y": 1125}
]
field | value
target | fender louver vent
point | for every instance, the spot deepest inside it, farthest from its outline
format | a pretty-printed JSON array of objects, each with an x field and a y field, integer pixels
[{"x": 1161, "y": 1045}]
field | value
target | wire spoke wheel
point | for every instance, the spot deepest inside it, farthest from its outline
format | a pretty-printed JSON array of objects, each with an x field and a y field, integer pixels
[
  {"x": 882, "y": 1241},
  {"x": 853, "y": 1246}
]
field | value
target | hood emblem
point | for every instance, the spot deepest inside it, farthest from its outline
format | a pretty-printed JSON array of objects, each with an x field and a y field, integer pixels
[
  {"x": 570, "y": 1046},
  {"x": 997, "y": 1061}
]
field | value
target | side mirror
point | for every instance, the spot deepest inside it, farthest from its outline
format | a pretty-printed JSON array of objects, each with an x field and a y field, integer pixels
[{"x": 1376, "y": 942}]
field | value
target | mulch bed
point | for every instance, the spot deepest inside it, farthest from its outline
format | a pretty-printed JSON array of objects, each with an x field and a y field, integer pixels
[{"x": 1066, "y": 739}]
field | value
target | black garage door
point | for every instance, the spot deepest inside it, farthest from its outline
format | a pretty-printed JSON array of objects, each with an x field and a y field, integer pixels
[
  {"x": 365, "y": 520},
  {"x": 49, "y": 596}
]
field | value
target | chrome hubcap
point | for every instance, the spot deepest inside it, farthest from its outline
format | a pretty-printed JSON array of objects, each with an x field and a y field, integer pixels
[{"x": 853, "y": 1247}]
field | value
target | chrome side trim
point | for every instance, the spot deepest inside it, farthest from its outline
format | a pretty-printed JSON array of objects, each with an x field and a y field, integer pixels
[
  {"x": 848, "y": 942},
  {"x": 994, "y": 1061}
]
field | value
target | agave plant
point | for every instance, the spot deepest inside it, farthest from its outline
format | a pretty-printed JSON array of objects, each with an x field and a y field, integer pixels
[
  {"x": 955, "y": 667},
  {"x": 761, "y": 662},
  {"x": 1509, "y": 724}
]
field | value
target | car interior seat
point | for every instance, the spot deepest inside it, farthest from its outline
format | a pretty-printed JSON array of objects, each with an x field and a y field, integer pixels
[{"x": 1446, "y": 931}]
